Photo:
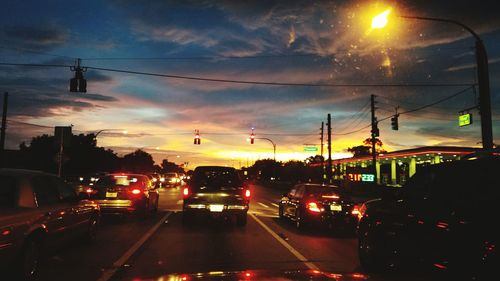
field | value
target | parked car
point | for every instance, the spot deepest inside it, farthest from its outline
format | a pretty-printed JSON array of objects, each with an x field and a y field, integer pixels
[
  {"x": 125, "y": 193},
  {"x": 216, "y": 192},
  {"x": 445, "y": 217},
  {"x": 319, "y": 205},
  {"x": 38, "y": 211}
]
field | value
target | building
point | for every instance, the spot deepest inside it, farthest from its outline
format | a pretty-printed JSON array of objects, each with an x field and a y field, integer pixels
[{"x": 395, "y": 168}]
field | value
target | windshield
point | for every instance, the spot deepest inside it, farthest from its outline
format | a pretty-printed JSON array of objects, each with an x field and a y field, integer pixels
[{"x": 213, "y": 139}]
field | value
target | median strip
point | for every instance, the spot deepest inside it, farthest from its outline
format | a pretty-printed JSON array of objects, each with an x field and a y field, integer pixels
[
  {"x": 285, "y": 244},
  {"x": 106, "y": 275}
]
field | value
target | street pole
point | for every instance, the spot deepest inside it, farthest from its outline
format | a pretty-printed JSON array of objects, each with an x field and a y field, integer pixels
[
  {"x": 322, "y": 158},
  {"x": 329, "y": 139},
  {"x": 483, "y": 80},
  {"x": 374, "y": 140},
  {"x": 61, "y": 151},
  {"x": 2, "y": 130}
]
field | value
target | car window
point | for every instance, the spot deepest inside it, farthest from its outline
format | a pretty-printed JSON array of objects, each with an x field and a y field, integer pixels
[
  {"x": 300, "y": 192},
  {"x": 45, "y": 190},
  {"x": 206, "y": 179},
  {"x": 292, "y": 192},
  {"x": 119, "y": 180},
  {"x": 8, "y": 192}
]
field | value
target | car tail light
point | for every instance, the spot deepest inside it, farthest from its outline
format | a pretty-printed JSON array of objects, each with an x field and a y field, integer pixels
[
  {"x": 314, "y": 207},
  {"x": 331, "y": 196},
  {"x": 89, "y": 190},
  {"x": 355, "y": 211},
  {"x": 135, "y": 191},
  {"x": 185, "y": 192},
  {"x": 247, "y": 193}
]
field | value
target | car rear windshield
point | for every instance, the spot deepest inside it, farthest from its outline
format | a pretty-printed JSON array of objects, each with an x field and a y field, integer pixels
[
  {"x": 118, "y": 181},
  {"x": 216, "y": 180},
  {"x": 8, "y": 192},
  {"x": 323, "y": 192}
]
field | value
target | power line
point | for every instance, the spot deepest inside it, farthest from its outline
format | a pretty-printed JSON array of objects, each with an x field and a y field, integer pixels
[
  {"x": 34, "y": 64},
  {"x": 23, "y": 50}
]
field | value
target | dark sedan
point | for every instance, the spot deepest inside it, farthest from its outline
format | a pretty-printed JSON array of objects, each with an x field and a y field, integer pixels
[
  {"x": 38, "y": 212},
  {"x": 125, "y": 193},
  {"x": 445, "y": 218},
  {"x": 317, "y": 204}
]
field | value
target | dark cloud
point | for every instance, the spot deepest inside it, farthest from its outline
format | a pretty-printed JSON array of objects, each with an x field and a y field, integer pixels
[
  {"x": 97, "y": 97},
  {"x": 34, "y": 37}
]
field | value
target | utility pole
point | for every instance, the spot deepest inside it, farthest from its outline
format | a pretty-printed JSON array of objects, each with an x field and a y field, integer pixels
[
  {"x": 329, "y": 139},
  {"x": 375, "y": 134},
  {"x": 2, "y": 130},
  {"x": 322, "y": 159}
]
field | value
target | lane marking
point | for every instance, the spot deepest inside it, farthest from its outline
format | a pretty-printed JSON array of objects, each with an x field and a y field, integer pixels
[
  {"x": 263, "y": 205},
  {"x": 285, "y": 244},
  {"x": 106, "y": 275},
  {"x": 275, "y": 205}
]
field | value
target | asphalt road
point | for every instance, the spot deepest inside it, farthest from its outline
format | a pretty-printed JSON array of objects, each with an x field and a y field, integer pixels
[{"x": 159, "y": 245}]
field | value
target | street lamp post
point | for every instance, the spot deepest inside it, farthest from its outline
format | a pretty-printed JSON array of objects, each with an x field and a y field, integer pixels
[
  {"x": 274, "y": 146},
  {"x": 482, "y": 79}
]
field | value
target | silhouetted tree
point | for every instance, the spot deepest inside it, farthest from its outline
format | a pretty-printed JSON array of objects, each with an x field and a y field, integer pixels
[
  {"x": 138, "y": 161},
  {"x": 167, "y": 167}
]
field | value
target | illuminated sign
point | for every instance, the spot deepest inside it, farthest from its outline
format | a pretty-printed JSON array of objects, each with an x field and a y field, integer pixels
[
  {"x": 464, "y": 119},
  {"x": 361, "y": 177},
  {"x": 310, "y": 148}
]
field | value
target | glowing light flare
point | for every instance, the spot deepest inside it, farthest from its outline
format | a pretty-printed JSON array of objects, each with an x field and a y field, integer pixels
[
  {"x": 380, "y": 21},
  {"x": 291, "y": 36}
]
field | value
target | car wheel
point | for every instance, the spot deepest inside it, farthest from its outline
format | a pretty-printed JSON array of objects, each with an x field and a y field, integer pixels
[
  {"x": 30, "y": 259},
  {"x": 241, "y": 220},
  {"x": 300, "y": 222},
  {"x": 370, "y": 250},
  {"x": 91, "y": 234}
]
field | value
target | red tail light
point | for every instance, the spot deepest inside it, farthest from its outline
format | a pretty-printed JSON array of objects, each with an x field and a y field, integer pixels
[
  {"x": 89, "y": 190},
  {"x": 331, "y": 196},
  {"x": 135, "y": 191},
  {"x": 314, "y": 207},
  {"x": 355, "y": 211},
  {"x": 247, "y": 193},
  {"x": 185, "y": 191}
]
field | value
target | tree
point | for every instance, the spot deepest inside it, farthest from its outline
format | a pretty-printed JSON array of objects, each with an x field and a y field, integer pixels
[
  {"x": 170, "y": 167},
  {"x": 316, "y": 159},
  {"x": 138, "y": 161},
  {"x": 366, "y": 148}
]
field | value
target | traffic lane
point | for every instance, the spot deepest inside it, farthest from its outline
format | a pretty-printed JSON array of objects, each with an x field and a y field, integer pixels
[
  {"x": 80, "y": 261},
  {"x": 208, "y": 245},
  {"x": 170, "y": 198}
]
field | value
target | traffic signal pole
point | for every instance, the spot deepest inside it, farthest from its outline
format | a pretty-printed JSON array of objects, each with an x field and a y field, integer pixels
[
  {"x": 4, "y": 127},
  {"x": 329, "y": 139},
  {"x": 374, "y": 138}
]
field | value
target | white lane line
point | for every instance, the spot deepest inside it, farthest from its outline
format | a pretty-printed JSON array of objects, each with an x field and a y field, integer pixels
[
  {"x": 263, "y": 205},
  {"x": 275, "y": 205},
  {"x": 106, "y": 275},
  {"x": 285, "y": 244}
]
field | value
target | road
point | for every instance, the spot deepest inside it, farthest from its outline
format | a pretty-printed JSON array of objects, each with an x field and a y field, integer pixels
[{"x": 129, "y": 248}]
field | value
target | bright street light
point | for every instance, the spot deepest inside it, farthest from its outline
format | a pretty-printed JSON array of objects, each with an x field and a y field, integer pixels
[
  {"x": 381, "y": 20},
  {"x": 483, "y": 79}
]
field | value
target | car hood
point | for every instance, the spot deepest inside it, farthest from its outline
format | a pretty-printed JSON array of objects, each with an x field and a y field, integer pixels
[{"x": 260, "y": 275}]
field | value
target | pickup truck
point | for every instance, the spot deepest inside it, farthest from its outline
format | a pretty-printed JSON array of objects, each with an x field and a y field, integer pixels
[{"x": 38, "y": 211}]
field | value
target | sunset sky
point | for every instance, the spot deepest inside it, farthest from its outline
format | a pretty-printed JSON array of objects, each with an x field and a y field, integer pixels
[{"x": 309, "y": 42}]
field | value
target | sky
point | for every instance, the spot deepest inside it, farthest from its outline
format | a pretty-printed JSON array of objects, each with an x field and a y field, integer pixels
[{"x": 287, "y": 42}]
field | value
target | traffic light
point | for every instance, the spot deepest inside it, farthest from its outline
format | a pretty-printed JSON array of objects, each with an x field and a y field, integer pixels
[
  {"x": 78, "y": 83},
  {"x": 394, "y": 122},
  {"x": 197, "y": 139},
  {"x": 375, "y": 131},
  {"x": 252, "y": 138}
]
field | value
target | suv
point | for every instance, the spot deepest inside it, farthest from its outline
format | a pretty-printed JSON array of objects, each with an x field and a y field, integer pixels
[
  {"x": 445, "y": 217},
  {"x": 216, "y": 192}
]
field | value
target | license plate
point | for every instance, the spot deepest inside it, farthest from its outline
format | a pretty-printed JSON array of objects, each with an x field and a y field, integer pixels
[
  {"x": 335, "y": 207},
  {"x": 216, "y": 208},
  {"x": 111, "y": 194}
]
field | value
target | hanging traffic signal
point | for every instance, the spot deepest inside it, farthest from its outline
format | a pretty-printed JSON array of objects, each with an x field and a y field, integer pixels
[
  {"x": 78, "y": 83},
  {"x": 394, "y": 122},
  {"x": 252, "y": 138},
  {"x": 375, "y": 131},
  {"x": 197, "y": 139}
]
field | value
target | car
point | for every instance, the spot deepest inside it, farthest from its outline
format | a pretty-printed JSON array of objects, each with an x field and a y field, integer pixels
[
  {"x": 445, "y": 218},
  {"x": 319, "y": 205},
  {"x": 216, "y": 191},
  {"x": 125, "y": 193},
  {"x": 171, "y": 179},
  {"x": 38, "y": 212}
]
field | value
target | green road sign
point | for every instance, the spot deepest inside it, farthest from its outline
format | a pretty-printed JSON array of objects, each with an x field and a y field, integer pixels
[
  {"x": 464, "y": 119},
  {"x": 310, "y": 148}
]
